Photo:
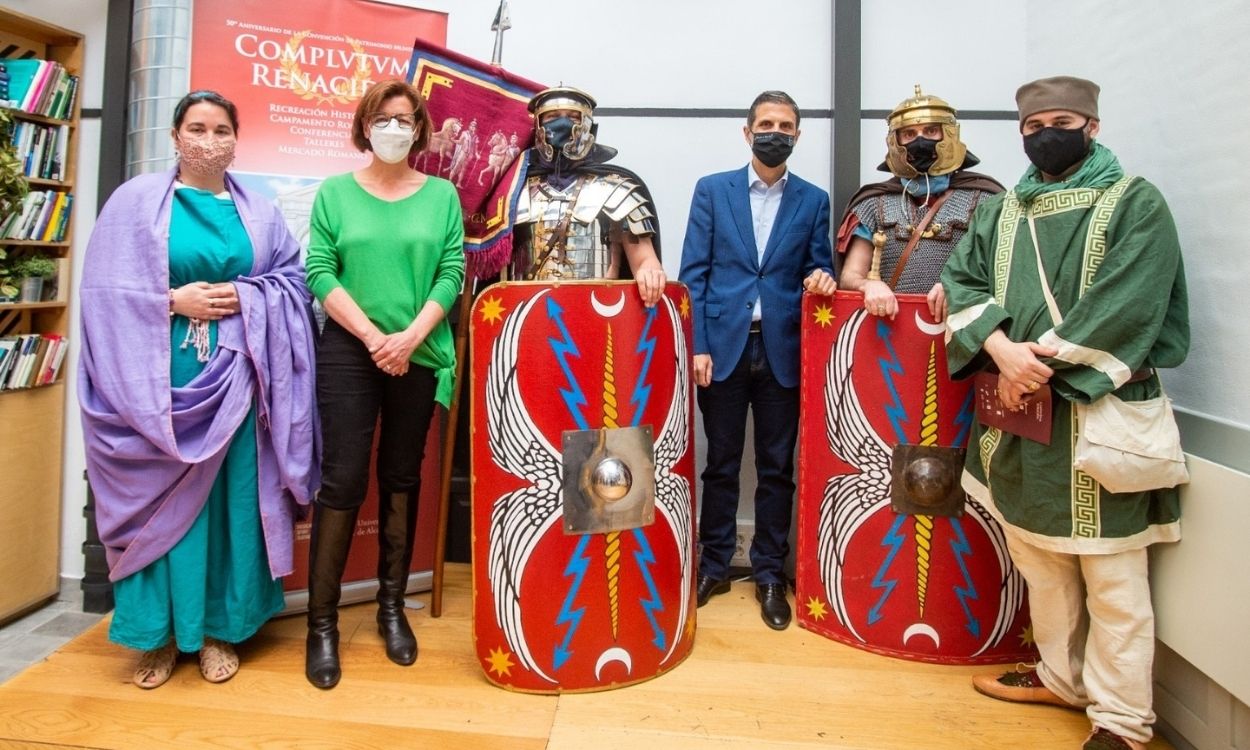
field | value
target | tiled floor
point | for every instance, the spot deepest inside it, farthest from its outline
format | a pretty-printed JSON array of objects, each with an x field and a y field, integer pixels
[{"x": 32, "y": 638}]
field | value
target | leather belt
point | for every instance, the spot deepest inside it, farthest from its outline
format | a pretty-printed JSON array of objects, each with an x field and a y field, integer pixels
[
  {"x": 1140, "y": 375},
  {"x": 756, "y": 327}
]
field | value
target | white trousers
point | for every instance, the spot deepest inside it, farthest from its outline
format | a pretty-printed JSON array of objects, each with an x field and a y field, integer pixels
[{"x": 1094, "y": 627}]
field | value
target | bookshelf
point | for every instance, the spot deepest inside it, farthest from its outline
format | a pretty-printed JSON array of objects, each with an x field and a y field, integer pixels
[{"x": 32, "y": 418}]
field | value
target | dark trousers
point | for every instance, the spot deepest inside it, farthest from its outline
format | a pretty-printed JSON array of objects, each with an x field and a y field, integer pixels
[
  {"x": 776, "y": 420},
  {"x": 351, "y": 392}
]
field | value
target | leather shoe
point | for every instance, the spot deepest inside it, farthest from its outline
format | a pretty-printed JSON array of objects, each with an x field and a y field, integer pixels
[
  {"x": 1105, "y": 739},
  {"x": 774, "y": 607},
  {"x": 1019, "y": 687},
  {"x": 709, "y": 587}
]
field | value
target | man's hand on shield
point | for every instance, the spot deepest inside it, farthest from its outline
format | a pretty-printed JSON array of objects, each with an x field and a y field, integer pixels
[{"x": 820, "y": 282}]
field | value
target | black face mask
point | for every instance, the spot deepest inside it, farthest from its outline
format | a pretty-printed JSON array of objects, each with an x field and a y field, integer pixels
[
  {"x": 772, "y": 148},
  {"x": 1055, "y": 150},
  {"x": 922, "y": 153},
  {"x": 559, "y": 130}
]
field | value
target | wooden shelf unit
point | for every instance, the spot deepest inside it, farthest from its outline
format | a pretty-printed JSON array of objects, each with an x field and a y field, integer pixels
[{"x": 32, "y": 420}]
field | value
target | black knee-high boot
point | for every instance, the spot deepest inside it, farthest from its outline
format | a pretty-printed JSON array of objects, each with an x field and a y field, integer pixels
[
  {"x": 331, "y": 539},
  {"x": 397, "y": 524}
]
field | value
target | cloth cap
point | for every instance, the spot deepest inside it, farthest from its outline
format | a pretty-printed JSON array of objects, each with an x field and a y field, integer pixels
[{"x": 1060, "y": 92}]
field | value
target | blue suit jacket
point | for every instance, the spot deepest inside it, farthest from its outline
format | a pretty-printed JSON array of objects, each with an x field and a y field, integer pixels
[{"x": 721, "y": 267}]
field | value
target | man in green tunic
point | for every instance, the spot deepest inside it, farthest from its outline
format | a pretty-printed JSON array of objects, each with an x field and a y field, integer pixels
[{"x": 1112, "y": 260}]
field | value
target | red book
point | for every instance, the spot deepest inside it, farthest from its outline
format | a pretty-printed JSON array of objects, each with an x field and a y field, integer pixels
[{"x": 1032, "y": 422}]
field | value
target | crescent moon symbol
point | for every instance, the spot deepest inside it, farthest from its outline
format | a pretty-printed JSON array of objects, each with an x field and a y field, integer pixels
[
  {"x": 616, "y": 653},
  {"x": 607, "y": 311},
  {"x": 920, "y": 628},
  {"x": 933, "y": 329}
]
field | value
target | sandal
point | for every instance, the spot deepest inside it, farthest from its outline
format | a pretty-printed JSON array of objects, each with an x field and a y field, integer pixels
[
  {"x": 218, "y": 661},
  {"x": 156, "y": 666}
]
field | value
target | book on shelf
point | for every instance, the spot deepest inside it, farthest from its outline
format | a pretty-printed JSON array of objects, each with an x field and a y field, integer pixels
[
  {"x": 37, "y": 99},
  {"x": 45, "y": 213},
  {"x": 41, "y": 149},
  {"x": 56, "y": 166},
  {"x": 25, "y": 351},
  {"x": 21, "y": 75},
  {"x": 44, "y": 217},
  {"x": 9, "y": 351},
  {"x": 51, "y": 366},
  {"x": 31, "y": 359},
  {"x": 54, "y": 218},
  {"x": 63, "y": 224},
  {"x": 31, "y": 205},
  {"x": 41, "y": 87}
]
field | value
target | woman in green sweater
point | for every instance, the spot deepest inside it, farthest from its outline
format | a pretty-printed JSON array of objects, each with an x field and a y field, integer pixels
[{"x": 386, "y": 261}]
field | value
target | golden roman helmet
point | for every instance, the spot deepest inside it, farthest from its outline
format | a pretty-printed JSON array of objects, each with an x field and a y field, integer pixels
[{"x": 917, "y": 110}]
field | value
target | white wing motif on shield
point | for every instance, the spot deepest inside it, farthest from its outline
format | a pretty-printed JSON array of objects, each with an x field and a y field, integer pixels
[
  {"x": 1011, "y": 594},
  {"x": 672, "y": 491},
  {"x": 521, "y": 517},
  {"x": 849, "y": 499}
]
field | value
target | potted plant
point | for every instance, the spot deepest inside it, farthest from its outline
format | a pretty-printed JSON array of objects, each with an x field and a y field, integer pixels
[{"x": 32, "y": 270}]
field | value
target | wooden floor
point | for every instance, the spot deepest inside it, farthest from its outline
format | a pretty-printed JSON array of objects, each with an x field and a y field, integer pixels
[{"x": 743, "y": 687}]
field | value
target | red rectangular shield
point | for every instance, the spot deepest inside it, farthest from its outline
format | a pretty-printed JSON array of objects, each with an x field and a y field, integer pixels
[
  {"x": 936, "y": 588},
  {"x": 555, "y": 610}
]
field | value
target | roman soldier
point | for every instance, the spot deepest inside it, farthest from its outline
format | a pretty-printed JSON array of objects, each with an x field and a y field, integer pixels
[
  {"x": 896, "y": 235},
  {"x": 579, "y": 217}
]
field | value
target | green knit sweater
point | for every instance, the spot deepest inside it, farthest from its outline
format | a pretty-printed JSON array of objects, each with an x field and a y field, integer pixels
[{"x": 392, "y": 257}]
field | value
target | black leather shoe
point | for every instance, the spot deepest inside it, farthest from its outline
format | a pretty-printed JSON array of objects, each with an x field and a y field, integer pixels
[
  {"x": 773, "y": 605},
  {"x": 709, "y": 587}
]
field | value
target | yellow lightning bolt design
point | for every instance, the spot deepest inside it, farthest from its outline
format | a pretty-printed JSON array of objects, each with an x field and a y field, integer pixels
[
  {"x": 612, "y": 548},
  {"x": 923, "y": 523}
]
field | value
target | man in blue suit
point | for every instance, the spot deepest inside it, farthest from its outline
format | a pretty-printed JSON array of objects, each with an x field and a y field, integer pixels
[{"x": 758, "y": 236}]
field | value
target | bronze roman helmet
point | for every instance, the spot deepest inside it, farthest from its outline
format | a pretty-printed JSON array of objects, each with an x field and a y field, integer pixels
[{"x": 917, "y": 110}]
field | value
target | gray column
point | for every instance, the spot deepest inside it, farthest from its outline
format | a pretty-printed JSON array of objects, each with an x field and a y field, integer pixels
[{"x": 160, "y": 55}]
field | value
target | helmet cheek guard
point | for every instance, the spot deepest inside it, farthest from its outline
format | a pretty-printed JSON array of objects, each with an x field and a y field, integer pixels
[{"x": 923, "y": 109}]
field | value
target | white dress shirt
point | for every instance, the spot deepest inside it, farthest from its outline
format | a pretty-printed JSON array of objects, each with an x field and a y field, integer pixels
[{"x": 765, "y": 200}]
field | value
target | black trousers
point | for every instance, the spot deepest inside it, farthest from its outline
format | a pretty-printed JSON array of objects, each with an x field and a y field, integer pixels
[{"x": 351, "y": 394}]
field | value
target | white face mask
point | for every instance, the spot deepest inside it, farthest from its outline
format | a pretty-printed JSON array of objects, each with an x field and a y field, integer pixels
[{"x": 392, "y": 143}]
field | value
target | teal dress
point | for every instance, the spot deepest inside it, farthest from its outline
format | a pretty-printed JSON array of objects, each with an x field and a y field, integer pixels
[{"x": 215, "y": 581}]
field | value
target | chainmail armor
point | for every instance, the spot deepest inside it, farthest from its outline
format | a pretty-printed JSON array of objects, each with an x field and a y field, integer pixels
[{"x": 894, "y": 214}]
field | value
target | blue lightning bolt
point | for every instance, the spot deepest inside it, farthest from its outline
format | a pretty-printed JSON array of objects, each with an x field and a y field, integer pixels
[
  {"x": 644, "y": 557},
  {"x": 961, "y": 547},
  {"x": 577, "y": 566},
  {"x": 964, "y": 420},
  {"x": 573, "y": 396},
  {"x": 642, "y": 389},
  {"x": 895, "y": 411},
  {"x": 894, "y": 540}
]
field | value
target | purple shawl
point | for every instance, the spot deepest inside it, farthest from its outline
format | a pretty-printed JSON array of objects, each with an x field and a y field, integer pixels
[{"x": 153, "y": 451}]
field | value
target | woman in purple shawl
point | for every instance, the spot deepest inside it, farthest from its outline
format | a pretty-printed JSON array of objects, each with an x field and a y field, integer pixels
[{"x": 196, "y": 387}]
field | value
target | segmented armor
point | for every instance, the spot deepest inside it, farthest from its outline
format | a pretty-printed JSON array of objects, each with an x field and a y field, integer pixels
[{"x": 568, "y": 233}]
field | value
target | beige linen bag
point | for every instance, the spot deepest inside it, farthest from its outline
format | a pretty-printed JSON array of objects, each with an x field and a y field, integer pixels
[{"x": 1126, "y": 446}]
